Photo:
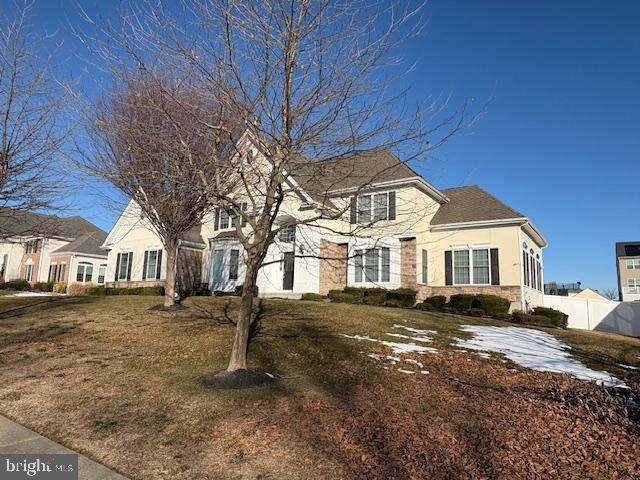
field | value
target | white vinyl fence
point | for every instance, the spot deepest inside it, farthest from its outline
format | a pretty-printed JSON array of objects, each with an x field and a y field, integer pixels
[{"x": 601, "y": 315}]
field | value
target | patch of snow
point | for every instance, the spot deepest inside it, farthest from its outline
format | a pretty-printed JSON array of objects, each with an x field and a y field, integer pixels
[
  {"x": 533, "y": 349},
  {"x": 270, "y": 375},
  {"x": 32, "y": 294},
  {"x": 424, "y": 372},
  {"x": 380, "y": 358},
  {"x": 415, "y": 362},
  {"x": 395, "y": 347},
  {"x": 418, "y": 339},
  {"x": 405, "y": 371},
  {"x": 416, "y": 330},
  {"x": 628, "y": 367}
]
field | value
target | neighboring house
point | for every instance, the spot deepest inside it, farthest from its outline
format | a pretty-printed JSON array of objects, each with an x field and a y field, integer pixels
[
  {"x": 562, "y": 289},
  {"x": 438, "y": 242},
  {"x": 47, "y": 248},
  {"x": 136, "y": 255},
  {"x": 628, "y": 266},
  {"x": 589, "y": 293}
]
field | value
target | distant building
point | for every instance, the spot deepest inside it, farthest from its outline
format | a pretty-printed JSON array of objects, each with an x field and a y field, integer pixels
[
  {"x": 628, "y": 266},
  {"x": 589, "y": 293},
  {"x": 562, "y": 289}
]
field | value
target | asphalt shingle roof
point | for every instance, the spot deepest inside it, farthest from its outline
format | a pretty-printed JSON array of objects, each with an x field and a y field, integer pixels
[
  {"x": 32, "y": 224},
  {"x": 89, "y": 244},
  {"x": 472, "y": 204}
]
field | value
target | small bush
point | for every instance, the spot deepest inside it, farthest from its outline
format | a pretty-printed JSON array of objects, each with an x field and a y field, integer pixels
[
  {"x": 157, "y": 290},
  {"x": 43, "y": 286},
  {"x": 437, "y": 301},
  {"x": 356, "y": 291},
  {"x": 476, "y": 312},
  {"x": 78, "y": 289},
  {"x": 240, "y": 288},
  {"x": 461, "y": 302},
  {"x": 427, "y": 307},
  {"x": 153, "y": 291},
  {"x": 491, "y": 304},
  {"x": 340, "y": 297},
  {"x": 532, "y": 319},
  {"x": 97, "y": 291},
  {"x": 60, "y": 287},
  {"x": 19, "y": 285},
  {"x": 401, "y": 297},
  {"x": 316, "y": 297},
  {"x": 558, "y": 318},
  {"x": 373, "y": 296}
]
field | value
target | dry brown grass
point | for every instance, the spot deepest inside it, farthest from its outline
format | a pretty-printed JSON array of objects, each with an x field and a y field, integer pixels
[{"x": 108, "y": 378}]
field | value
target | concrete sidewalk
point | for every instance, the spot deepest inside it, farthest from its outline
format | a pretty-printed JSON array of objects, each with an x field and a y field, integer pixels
[{"x": 15, "y": 438}]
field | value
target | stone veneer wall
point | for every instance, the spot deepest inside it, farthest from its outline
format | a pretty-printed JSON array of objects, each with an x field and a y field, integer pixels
[
  {"x": 408, "y": 263},
  {"x": 333, "y": 266}
]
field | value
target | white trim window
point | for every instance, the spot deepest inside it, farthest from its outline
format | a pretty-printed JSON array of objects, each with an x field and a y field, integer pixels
[
  {"x": 28, "y": 272},
  {"x": 633, "y": 264},
  {"x": 633, "y": 282},
  {"x": 425, "y": 267},
  {"x": 102, "y": 273},
  {"x": 373, "y": 265},
  {"x": 375, "y": 207},
  {"x": 152, "y": 264},
  {"x": 287, "y": 234},
  {"x": 123, "y": 266},
  {"x": 472, "y": 266},
  {"x": 85, "y": 272}
]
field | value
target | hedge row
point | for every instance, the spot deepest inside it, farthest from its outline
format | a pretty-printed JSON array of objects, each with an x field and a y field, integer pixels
[
  {"x": 77, "y": 289},
  {"x": 19, "y": 285},
  {"x": 494, "y": 306},
  {"x": 401, "y": 297}
]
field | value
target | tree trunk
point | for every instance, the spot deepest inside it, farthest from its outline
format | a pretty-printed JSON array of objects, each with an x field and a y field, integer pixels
[
  {"x": 238, "y": 359},
  {"x": 171, "y": 247}
]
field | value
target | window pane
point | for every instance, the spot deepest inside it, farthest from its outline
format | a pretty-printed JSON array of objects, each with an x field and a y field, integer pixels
[
  {"x": 481, "y": 267},
  {"x": 80, "y": 274},
  {"x": 88, "y": 273},
  {"x": 152, "y": 264},
  {"x": 288, "y": 234},
  {"x": 525, "y": 264},
  {"x": 461, "y": 267},
  {"x": 224, "y": 219},
  {"x": 358, "y": 266},
  {"x": 364, "y": 209},
  {"x": 380, "y": 206},
  {"x": 124, "y": 264},
  {"x": 371, "y": 265},
  {"x": 425, "y": 268},
  {"x": 61, "y": 272},
  {"x": 386, "y": 265},
  {"x": 233, "y": 264},
  {"x": 101, "y": 273}
]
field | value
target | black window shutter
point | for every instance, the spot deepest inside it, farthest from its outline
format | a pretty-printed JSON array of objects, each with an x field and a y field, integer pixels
[
  {"x": 392, "y": 205},
  {"x": 216, "y": 220},
  {"x": 448, "y": 268},
  {"x": 495, "y": 267},
  {"x": 144, "y": 268},
  {"x": 243, "y": 218},
  {"x": 129, "y": 266},
  {"x": 354, "y": 212},
  {"x": 117, "y": 268},
  {"x": 159, "y": 264}
]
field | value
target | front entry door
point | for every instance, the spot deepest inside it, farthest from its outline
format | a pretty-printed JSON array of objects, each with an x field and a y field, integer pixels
[{"x": 289, "y": 262}]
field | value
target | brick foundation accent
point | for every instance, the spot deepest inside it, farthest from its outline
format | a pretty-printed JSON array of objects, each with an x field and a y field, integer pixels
[
  {"x": 333, "y": 266},
  {"x": 511, "y": 292},
  {"x": 408, "y": 259}
]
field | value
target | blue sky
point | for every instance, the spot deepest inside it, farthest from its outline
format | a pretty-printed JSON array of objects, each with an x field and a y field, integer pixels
[{"x": 560, "y": 140}]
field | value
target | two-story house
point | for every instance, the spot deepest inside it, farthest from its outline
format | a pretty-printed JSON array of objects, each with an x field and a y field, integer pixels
[
  {"x": 397, "y": 231},
  {"x": 628, "y": 268},
  {"x": 48, "y": 248}
]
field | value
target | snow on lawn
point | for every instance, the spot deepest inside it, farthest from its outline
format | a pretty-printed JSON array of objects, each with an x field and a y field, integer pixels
[
  {"x": 32, "y": 294},
  {"x": 533, "y": 349},
  {"x": 394, "y": 346}
]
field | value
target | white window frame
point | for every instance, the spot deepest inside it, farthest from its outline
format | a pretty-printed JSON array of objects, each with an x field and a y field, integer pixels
[
  {"x": 155, "y": 274},
  {"x": 287, "y": 234},
  {"x": 634, "y": 281},
  {"x": 102, "y": 273},
  {"x": 122, "y": 272},
  {"x": 470, "y": 267},
  {"x": 85, "y": 266},
  {"x": 633, "y": 264},
  {"x": 360, "y": 264},
  {"x": 372, "y": 208},
  {"x": 28, "y": 272}
]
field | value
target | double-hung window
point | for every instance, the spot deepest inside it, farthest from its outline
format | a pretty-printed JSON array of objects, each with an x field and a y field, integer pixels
[
  {"x": 287, "y": 234},
  {"x": 85, "y": 272},
  {"x": 152, "y": 264},
  {"x": 373, "y": 265},
  {"x": 123, "y": 266},
  {"x": 28, "y": 272},
  {"x": 425, "y": 267},
  {"x": 225, "y": 220},
  {"x": 633, "y": 264},
  {"x": 375, "y": 207},
  {"x": 472, "y": 266},
  {"x": 53, "y": 271},
  {"x": 102, "y": 271}
]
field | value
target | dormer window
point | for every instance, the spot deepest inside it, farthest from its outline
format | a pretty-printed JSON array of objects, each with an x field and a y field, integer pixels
[
  {"x": 31, "y": 246},
  {"x": 223, "y": 220},
  {"x": 373, "y": 207}
]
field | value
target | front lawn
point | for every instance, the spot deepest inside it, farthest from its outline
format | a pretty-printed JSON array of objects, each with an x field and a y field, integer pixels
[{"x": 106, "y": 377}]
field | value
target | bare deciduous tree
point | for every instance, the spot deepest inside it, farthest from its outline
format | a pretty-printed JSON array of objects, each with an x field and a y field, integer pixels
[
  {"x": 611, "y": 293},
  {"x": 145, "y": 140},
  {"x": 32, "y": 131},
  {"x": 313, "y": 81}
]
